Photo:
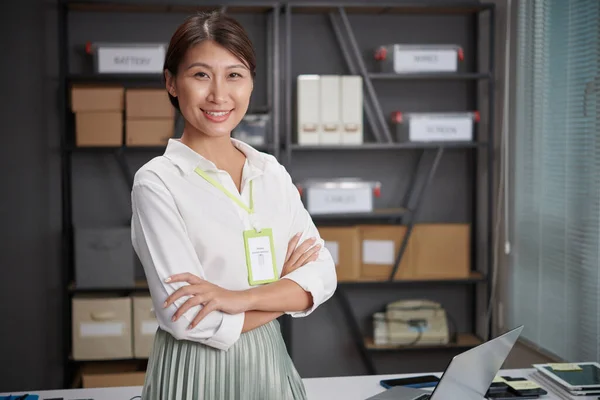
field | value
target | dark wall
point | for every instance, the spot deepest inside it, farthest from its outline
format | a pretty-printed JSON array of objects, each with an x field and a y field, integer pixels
[
  {"x": 30, "y": 296},
  {"x": 31, "y": 291}
]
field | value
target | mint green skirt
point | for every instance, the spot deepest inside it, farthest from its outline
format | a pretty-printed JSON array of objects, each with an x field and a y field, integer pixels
[{"x": 256, "y": 367}]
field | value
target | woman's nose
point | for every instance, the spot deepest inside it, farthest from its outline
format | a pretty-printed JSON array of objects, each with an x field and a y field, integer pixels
[{"x": 218, "y": 92}]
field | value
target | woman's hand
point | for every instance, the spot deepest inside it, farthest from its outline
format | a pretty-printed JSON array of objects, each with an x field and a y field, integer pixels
[
  {"x": 296, "y": 257},
  {"x": 211, "y": 296}
]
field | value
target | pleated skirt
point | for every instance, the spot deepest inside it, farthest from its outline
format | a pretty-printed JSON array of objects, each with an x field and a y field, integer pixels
[{"x": 256, "y": 367}]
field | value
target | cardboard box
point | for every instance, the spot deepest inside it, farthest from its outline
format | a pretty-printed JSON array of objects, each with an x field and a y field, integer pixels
[
  {"x": 101, "y": 328},
  {"x": 149, "y": 132},
  {"x": 87, "y": 98},
  {"x": 344, "y": 245},
  {"x": 99, "y": 128},
  {"x": 112, "y": 374},
  {"x": 144, "y": 326},
  {"x": 148, "y": 103},
  {"x": 441, "y": 251},
  {"x": 379, "y": 248}
]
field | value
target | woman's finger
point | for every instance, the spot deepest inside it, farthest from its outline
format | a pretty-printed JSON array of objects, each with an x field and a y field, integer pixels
[
  {"x": 191, "y": 302},
  {"x": 301, "y": 250},
  {"x": 303, "y": 260},
  {"x": 208, "y": 308},
  {"x": 292, "y": 245},
  {"x": 186, "y": 290},
  {"x": 184, "y": 277}
]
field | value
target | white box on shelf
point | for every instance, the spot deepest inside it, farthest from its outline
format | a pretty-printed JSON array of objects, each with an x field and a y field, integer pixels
[
  {"x": 440, "y": 127},
  {"x": 416, "y": 58},
  {"x": 330, "y": 115},
  {"x": 308, "y": 119},
  {"x": 339, "y": 196},
  {"x": 352, "y": 109},
  {"x": 128, "y": 58}
]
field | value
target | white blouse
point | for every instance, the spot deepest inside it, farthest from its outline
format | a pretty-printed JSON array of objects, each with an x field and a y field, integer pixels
[{"x": 182, "y": 223}]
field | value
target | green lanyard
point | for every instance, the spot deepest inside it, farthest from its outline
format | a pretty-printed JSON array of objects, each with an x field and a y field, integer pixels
[{"x": 249, "y": 210}]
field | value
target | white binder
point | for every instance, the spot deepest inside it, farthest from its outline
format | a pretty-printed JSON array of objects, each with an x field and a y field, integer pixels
[
  {"x": 308, "y": 121},
  {"x": 352, "y": 109},
  {"x": 330, "y": 110}
]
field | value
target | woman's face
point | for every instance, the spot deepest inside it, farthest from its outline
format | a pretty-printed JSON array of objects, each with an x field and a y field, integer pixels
[{"x": 213, "y": 88}]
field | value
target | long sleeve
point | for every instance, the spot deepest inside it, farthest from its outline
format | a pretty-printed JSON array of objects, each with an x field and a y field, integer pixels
[
  {"x": 160, "y": 240},
  {"x": 319, "y": 277}
]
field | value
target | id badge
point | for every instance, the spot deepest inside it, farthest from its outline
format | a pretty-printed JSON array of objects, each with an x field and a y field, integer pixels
[{"x": 260, "y": 256}]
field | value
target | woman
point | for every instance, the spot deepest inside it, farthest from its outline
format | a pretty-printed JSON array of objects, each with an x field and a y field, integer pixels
[{"x": 217, "y": 225}]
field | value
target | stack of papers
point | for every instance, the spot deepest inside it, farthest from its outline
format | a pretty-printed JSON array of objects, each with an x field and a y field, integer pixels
[{"x": 574, "y": 379}]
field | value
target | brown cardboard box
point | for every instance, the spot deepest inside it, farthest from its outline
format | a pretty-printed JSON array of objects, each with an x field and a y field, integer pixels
[
  {"x": 99, "y": 128},
  {"x": 101, "y": 328},
  {"x": 111, "y": 374},
  {"x": 119, "y": 379},
  {"x": 379, "y": 247},
  {"x": 441, "y": 251},
  {"x": 344, "y": 245},
  {"x": 144, "y": 325},
  {"x": 149, "y": 132},
  {"x": 148, "y": 103},
  {"x": 85, "y": 98}
]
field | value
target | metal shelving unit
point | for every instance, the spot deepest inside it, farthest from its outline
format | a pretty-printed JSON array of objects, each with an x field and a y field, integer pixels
[
  {"x": 352, "y": 54},
  {"x": 280, "y": 105}
]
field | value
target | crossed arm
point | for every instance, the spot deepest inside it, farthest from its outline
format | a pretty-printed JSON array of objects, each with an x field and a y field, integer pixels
[{"x": 216, "y": 316}]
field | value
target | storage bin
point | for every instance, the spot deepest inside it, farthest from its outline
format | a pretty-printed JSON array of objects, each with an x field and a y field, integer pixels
[
  {"x": 144, "y": 326},
  {"x": 101, "y": 328},
  {"x": 104, "y": 258},
  {"x": 339, "y": 196},
  {"x": 127, "y": 58},
  {"x": 419, "y": 58},
  {"x": 434, "y": 127}
]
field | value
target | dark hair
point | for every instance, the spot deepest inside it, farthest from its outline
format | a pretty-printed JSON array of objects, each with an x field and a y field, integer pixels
[{"x": 215, "y": 26}]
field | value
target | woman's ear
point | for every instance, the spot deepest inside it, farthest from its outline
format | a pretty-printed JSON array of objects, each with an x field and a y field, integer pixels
[{"x": 170, "y": 83}]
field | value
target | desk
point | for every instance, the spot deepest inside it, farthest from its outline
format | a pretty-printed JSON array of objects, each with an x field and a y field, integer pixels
[{"x": 343, "y": 388}]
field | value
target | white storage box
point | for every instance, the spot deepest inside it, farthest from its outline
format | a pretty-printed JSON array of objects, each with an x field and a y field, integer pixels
[
  {"x": 352, "y": 109},
  {"x": 101, "y": 328},
  {"x": 408, "y": 58},
  {"x": 339, "y": 196},
  {"x": 330, "y": 115},
  {"x": 308, "y": 103},
  {"x": 145, "y": 326},
  {"x": 434, "y": 127},
  {"x": 127, "y": 58}
]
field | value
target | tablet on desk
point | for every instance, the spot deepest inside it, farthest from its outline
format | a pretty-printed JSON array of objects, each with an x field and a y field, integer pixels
[{"x": 580, "y": 376}]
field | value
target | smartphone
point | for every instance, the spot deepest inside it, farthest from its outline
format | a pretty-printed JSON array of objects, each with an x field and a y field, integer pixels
[{"x": 424, "y": 381}]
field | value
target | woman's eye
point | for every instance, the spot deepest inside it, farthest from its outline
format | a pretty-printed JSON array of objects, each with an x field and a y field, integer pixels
[
  {"x": 200, "y": 75},
  {"x": 235, "y": 75}
]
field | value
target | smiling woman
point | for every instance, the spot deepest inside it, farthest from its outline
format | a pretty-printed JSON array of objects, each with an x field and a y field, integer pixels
[{"x": 225, "y": 241}]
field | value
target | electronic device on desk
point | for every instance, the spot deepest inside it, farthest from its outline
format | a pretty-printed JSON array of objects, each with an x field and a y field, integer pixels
[
  {"x": 575, "y": 379},
  {"x": 468, "y": 375},
  {"x": 417, "y": 382},
  {"x": 509, "y": 388},
  {"x": 412, "y": 323}
]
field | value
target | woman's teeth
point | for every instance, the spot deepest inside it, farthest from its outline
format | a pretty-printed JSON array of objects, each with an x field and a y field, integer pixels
[{"x": 217, "y": 114}]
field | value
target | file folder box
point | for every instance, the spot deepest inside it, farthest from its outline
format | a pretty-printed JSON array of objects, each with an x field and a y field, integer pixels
[
  {"x": 434, "y": 127},
  {"x": 144, "y": 326},
  {"x": 104, "y": 258},
  {"x": 330, "y": 115},
  {"x": 308, "y": 115},
  {"x": 101, "y": 328},
  {"x": 419, "y": 58},
  {"x": 352, "y": 110}
]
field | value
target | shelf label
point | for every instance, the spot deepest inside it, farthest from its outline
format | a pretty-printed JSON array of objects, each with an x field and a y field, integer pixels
[
  {"x": 379, "y": 252},
  {"x": 101, "y": 329}
]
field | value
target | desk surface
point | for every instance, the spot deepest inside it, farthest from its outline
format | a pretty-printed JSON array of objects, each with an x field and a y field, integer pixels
[{"x": 346, "y": 388}]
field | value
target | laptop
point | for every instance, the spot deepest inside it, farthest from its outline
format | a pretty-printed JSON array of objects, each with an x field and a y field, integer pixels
[{"x": 468, "y": 375}]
